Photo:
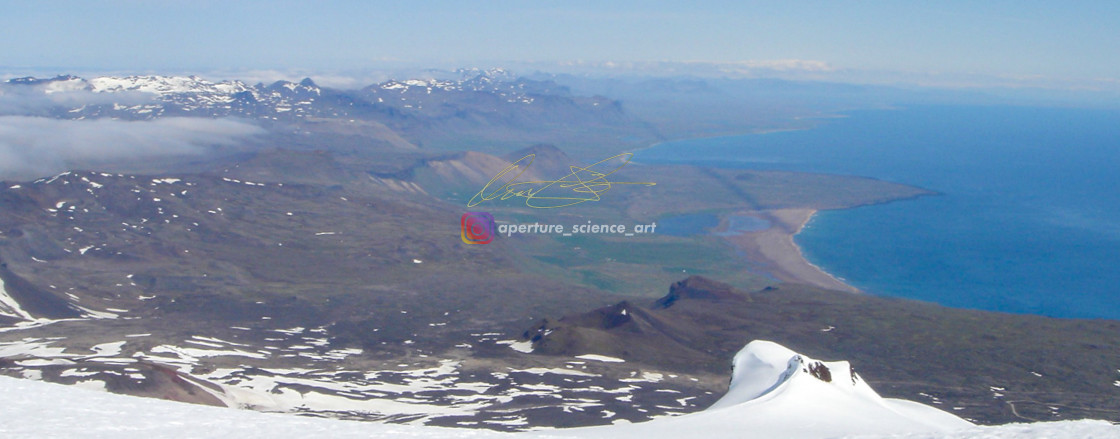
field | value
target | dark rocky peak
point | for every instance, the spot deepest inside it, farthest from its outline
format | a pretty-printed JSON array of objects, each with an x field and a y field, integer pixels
[
  {"x": 31, "y": 80},
  {"x": 698, "y": 288},
  {"x": 607, "y": 317},
  {"x": 820, "y": 371},
  {"x": 26, "y": 80}
]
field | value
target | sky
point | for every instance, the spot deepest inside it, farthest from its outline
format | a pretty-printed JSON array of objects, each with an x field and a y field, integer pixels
[{"x": 1063, "y": 43}]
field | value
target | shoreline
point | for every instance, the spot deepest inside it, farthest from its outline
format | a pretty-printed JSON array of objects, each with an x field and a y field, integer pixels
[{"x": 776, "y": 253}]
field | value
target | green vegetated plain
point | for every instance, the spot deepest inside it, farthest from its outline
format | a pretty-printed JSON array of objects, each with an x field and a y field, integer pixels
[{"x": 644, "y": 263}]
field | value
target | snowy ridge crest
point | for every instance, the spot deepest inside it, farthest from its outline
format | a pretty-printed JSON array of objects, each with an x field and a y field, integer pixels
[
  {"x": 162, "y": 85},
  {"x": 776, "y": 392},
  {"x": 758, "y": 371},
  {"x": 145, "y": 97}
]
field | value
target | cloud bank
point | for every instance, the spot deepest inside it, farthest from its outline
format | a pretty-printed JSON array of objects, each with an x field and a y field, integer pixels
[
  {"x": 32, "y": 147},
  {"x": 26, "y": 100}
]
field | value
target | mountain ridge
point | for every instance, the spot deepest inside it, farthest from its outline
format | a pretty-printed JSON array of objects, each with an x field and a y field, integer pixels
[{"x": 492, "y": 111}]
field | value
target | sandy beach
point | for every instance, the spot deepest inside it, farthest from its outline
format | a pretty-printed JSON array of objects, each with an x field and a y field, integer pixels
[{"x": 775, "y": 252}]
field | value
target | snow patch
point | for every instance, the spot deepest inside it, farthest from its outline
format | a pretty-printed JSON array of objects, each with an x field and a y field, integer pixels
[
  {"x": 93, "y": 314},
  {"x": 10, "y": 307},
  {"x": 108, "y": 349},
  {"x": 554, "y": 371},
  {"x": 603, "y": 358},
  {"x": 524, "y": 346}
]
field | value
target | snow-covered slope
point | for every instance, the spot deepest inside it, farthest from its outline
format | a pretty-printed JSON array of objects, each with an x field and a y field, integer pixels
[
  {"x": 9, "y": 306},
  {"x": 775, "y": 393}
]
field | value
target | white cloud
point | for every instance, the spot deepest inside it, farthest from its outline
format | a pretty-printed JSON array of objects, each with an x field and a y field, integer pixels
[
  {"x": 785, "y": 65},
  {"x": 36, "y": 146},
  {"x": 337, "y": 80},
  {"x": 780, "y": 68},
  {"x": 27, "y": 100}
]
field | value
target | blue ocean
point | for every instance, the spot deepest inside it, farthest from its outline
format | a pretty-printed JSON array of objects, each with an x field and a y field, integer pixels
[{"x": 1028, "y": 220}]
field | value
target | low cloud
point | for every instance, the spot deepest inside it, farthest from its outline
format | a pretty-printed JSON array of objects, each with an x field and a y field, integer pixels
[
  {"x": 785, "y": 65},
  {"x": 777, "y": 68},
  {"x": 32, "y": 147},
  {"x": 34, "y": 100},
  {"x": 337, "y": 80}
]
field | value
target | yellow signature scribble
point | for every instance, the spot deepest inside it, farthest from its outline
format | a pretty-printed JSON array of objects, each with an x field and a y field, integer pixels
[{"x": 584, "y": 180}]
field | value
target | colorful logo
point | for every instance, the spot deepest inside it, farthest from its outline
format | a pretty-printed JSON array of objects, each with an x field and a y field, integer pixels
[{"x": 477, "y": 227}]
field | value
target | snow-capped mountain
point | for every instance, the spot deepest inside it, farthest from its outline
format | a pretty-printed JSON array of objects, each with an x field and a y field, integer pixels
[
  {"x": 153, "y": 96},
  {"x": 498, "y": 82},
  {"x": 775, "y": 393},
  {"x": 148, "y": 97},
  {"x": 432, "y": 110},
  {"x": 164, "y": 85}
]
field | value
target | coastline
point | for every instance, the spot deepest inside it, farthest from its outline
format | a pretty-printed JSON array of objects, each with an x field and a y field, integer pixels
[
  {"x": 776, "y": 253},
  {"x": 774, "y": 250}
]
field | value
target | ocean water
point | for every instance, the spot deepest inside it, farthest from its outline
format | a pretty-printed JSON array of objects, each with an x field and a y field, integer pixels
[{"x": 1028, "y": 219}]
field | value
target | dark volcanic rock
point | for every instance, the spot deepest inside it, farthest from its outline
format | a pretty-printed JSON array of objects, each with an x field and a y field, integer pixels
[{"x": 701, "y": 288}]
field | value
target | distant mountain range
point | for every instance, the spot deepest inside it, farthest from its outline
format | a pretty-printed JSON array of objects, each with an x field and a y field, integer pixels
[
  {"x": 149, "y": 97},
  {"x": 483, "y": 110}
]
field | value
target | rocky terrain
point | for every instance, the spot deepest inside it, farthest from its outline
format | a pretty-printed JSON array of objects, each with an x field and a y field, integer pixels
[{"x": 318, "y": 268}]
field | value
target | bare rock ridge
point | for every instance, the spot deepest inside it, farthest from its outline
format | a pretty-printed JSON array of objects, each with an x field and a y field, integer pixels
[
  {"x": 547, "y": 159},
  {"x": 636, "y": 332},
  {"x": 699, "y": 288}
]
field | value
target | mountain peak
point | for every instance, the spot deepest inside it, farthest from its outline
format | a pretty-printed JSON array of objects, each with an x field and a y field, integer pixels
[
  {"x": 764, "y": 366},
  {"x": 23, "y": 80},
  {"x": 698, "y": 287},
  {"x": 776, "y": 392},
  {"x": 547, "y": 158}
]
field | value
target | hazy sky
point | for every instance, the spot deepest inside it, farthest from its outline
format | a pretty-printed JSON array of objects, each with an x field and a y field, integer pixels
[{"x": 1015, "y": 39}]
